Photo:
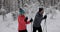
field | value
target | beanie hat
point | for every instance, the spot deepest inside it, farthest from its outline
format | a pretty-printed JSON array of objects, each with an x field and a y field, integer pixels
[{"x": 21, "y": 11}]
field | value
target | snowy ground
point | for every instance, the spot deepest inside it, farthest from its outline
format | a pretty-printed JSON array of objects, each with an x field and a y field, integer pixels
[{"x": 53, "y": 25}]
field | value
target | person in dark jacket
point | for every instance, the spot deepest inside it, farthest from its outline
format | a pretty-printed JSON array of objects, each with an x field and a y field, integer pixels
[
  {"x": 38, "y": 19},
  {"x": 22, "y": 21}
]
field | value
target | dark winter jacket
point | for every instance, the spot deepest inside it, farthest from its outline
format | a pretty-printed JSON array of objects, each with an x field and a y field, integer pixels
[{"x": 38, "y": 19}]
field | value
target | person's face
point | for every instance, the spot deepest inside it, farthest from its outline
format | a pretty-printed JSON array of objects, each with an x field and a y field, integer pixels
[{"x": 42, "y": 12}]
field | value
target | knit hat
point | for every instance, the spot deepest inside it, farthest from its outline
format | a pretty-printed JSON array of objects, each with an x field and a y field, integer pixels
[{"x": 21, "y": 11}]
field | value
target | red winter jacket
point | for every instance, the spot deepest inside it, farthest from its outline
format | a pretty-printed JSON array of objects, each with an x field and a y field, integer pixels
[{"x": 22, "y": 23}]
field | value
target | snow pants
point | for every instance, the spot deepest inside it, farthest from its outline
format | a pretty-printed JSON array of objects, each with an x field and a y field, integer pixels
[{"x": 37, "y": 28}]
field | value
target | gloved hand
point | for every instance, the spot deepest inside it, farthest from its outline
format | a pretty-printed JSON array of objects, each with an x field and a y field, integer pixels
[
  {"x": 26, "y": 19},
  {"x": 45, "y": 16},
  {"x": 31, "y": 20}
]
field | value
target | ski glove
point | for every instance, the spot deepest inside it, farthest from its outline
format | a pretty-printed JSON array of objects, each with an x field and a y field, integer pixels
[
  {"x": 31, "y": 20},
  {"x": 26, "y": 19},
  {"x": 45, "y": 16}
]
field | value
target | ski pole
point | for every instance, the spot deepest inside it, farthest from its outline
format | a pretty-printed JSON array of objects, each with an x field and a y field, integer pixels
[{"x": 46, "y": 25}]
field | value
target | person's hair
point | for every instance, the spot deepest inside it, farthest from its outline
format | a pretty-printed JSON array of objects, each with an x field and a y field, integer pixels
[
  {"x": 40, "y": 9},
  {"x": 20, "y": 9}
]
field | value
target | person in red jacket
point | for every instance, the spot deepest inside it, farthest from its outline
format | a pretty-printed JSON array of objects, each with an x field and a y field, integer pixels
[{"x": 22, "y": 21}]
